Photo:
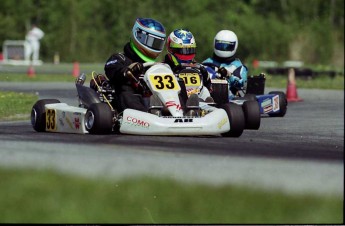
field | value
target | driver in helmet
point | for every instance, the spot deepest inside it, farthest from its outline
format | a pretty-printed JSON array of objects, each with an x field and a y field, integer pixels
[
  {"x": 146, "y": 43},
  {"x": 181, "y": 49},
  {"x": 225, "y": 45}
]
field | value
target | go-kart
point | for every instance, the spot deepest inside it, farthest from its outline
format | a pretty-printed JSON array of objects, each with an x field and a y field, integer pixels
[
  {"x": 273, "y": 104},
  {"x": 192, "y": 77},
  {"x": 97, "y": 112}
]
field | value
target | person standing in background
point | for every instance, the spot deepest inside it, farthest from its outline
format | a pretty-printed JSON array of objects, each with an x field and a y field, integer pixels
[{"x": 33, "y": 38}]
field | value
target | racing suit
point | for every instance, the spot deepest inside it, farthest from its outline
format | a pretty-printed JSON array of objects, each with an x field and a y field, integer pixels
[
  {"x": 234, "y": 67},
  {"x": 127, "y": 93},
  {"x": 207, "y": 85}
]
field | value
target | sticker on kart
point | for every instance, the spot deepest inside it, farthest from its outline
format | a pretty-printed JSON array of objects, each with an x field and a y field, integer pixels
[
  {"x": 192, "y": 82},
  {"x": 191, "y": 79},
  {"x": 51, "y": 120},
  {"x": 163, "y": 82}
]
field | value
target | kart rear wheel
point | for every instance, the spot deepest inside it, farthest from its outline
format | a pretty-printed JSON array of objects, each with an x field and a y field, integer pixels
[
  {"x": 38, "y": 114},
  {"x": 99, "y": 119},
  {"x": 236, "y": 119},
  {"x": 282, "y": 104},
  {"x": 252, "y": 114}
]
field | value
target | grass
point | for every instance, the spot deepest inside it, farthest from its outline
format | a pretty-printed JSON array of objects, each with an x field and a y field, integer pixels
[
  {"x": 319, "y": 82},
  {"x": 36, "y": 78},
  {"x": 16, "y": 106},
  {"x": 33, "y": 196}
]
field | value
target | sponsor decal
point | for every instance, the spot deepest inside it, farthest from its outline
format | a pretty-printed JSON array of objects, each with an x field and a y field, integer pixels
[
  {"x": 69, "y": 123},
  {"x": 173, "y": 103},
  {"x": 111, "y": 62},
  {"x": 76, "y": 113},
  {"x": 268, "y": 109},
  {"x": 192, "y": 91},
  {"x": 76, "y": 123},
  {"x": 266, "y": 102},
  {"x": 276, "y": 103},
  {"x": 137, "y": 122},
  {"x": 222, "y": 123},
  {"x": 183, "y": 120}
]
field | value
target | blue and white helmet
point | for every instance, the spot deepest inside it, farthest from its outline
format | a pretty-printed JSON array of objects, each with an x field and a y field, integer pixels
[
  {"x": 225, "y": 44},
  {"x": 148, "y": 38}
]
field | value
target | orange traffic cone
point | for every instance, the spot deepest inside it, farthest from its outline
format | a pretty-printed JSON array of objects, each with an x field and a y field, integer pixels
[
  {"x": 291, "y": 90},
  {"x": 75, "y": 72},
  {"x": 31, "y": 71}
]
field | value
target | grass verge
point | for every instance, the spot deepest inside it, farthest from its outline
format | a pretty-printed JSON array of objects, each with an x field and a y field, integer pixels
[
  {"x": 319, "y": 82},
  {"x": 37, "y": 78},
  {"x": 16, "y": 106},
  {"x": 34, "y": 196}
]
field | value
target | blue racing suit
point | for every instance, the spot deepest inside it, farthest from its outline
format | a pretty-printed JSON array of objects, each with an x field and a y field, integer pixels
[{"x": 236, "y": 72}]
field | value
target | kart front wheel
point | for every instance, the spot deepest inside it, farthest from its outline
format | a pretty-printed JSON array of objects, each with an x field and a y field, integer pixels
[
  {"x": 220, "y": 93},
  {"x": 252, "y": 114},
  {"x": 282, "y": 104},
  {"x": 99, "y": 119},
  {"x": 236, "y": 119},
  {"x": 38, "y": 114}
]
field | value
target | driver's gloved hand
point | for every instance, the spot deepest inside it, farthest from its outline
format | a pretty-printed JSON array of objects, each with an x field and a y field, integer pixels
[
  {"x": 136, "y": 69},
  {"x": 223, "y": 72},
  {"x": 98, "y": 82}
]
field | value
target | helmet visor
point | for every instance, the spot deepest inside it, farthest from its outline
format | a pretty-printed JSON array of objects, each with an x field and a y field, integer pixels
[
  {"x": 183, "y": 51},
  {"x": 225, "y": 46},
  {"x": 150, "y": 40}
]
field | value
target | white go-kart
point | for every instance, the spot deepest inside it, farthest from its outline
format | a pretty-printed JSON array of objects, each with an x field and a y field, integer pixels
[{"x": 168, "y": 113}]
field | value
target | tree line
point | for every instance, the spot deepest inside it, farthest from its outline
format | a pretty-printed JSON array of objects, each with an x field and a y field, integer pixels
[{"x": 90, "y": 30}]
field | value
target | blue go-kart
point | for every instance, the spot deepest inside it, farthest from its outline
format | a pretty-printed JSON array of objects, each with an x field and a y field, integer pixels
[{"x": 273, "y": 104}]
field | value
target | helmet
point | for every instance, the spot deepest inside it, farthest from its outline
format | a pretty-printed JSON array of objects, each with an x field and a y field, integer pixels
[
  {"x": 148, "y": 38},
  {"x": 225, "y": 43},
  {"x": 181, "y": 46}
]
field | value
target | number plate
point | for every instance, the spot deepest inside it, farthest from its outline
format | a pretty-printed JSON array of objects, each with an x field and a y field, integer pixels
[
  {"x": 51, "y": 120},
  {"x": 163, "y": 82},
  {"x": 191, "y": 79}
]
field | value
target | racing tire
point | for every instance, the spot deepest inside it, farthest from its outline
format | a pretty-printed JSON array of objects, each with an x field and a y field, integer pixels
[
  {"x": 220, "y": 93},
  {"x": 38, "y": 114},
  {"x": 282, "y": 104},
  {"x": 183, "y": 97},
  {"x": 236, "y": 119},
  {"x": 252, "y": 114},
  {"x": 192, "y": 106},
  {"x": 99, "y": 119}
]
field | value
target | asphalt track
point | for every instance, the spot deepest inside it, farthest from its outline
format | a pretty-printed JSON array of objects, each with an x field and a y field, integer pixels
[{"x": 301, "y": 152}]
